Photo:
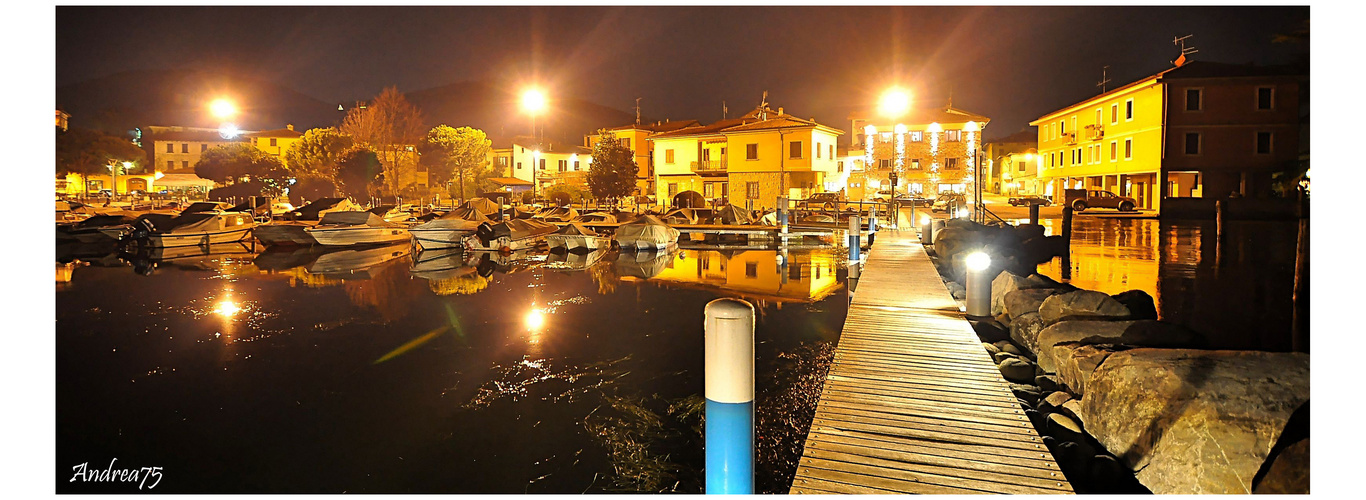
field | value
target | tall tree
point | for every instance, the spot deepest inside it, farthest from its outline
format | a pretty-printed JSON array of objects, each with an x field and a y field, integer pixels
[
  {"x": 231, "y": 163},
  {"x": 459, "y": 153},
  {"x": 390, "y": 126},
  {"x": 613, "y": 173},
  {"x": 317, "y": 152},
  {"x": 358, "y": 170},
  {"x": 85, "y": 152}
]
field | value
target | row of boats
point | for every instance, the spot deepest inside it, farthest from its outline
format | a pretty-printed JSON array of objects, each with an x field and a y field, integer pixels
[{"x": 479, "y": 224}]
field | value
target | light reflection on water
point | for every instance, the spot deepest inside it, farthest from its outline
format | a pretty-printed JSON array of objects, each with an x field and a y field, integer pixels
[{"x": 380, "y": 370}]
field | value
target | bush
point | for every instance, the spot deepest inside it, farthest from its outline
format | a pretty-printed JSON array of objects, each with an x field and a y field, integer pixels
[
  {"x": 565, "y": 194},
  {"x": 311, "y": 188}
]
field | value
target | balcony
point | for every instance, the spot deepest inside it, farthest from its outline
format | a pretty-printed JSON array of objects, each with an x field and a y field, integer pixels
[
  {"x": 1095, "y": 132},
  {"x": 709, "y": 166},
  {"x": 1070, "y": 138}
]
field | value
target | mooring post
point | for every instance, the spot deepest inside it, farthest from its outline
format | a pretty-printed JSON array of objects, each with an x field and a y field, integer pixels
[
  {"x": 782, "y": 214},
  {"x": 978, "y": 284},
  {"x": 1034, "y": 213},
  {"x": 1299, "y": 323},
  {"x": 872, "y": 226},
  {"x": 729, "y": 391},
  {"x": 854, "y": 228},
  {"x": 500, "y": 208}
]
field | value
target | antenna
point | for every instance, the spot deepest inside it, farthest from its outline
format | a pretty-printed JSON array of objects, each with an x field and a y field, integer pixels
[
  {"x": 763, "y": 107},
  {"x": 1104, "y": 78},
  {"x": 725, "y": 112},
  {"x": 1185, "y": 51},
  {"x": 637, "y": 111}
]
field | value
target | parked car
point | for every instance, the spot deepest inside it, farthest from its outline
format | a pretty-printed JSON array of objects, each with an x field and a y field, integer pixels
[
  {"x": 909, "y": 200},
  {"x": 941, "y": 204},
  {"x": 1082, "y": 199},
  {"x": 827, "y": 201},
  {"x": 1025, "y": 201}
]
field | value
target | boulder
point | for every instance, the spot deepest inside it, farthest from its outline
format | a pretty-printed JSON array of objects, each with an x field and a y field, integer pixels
[
  {"x": 1025, "y": 329},
  {"x": 1002, "y": 356},
  {"x": 1073, "y": 362},
  {"x": 1146, "y": 333},
  {"x": 1289, "y": 471},
  {"x": 1027, "y": 393},
  {"x": 990, "y": 331},
  {"x": 991, "y": 348},
  {"x": 1139, "y": 303},
  {"x": 1046, "y": 383},
  {"x": 1081, "y": 304},
  {"x": 1072, "y": 408},
  {"x": 1007, "y": 282},
  {"x": 1057, "y": 398},
  {"x": 1006, "y": 346},
  {"x": 1190, "y": 421},
  {"x": 1016, "y": 369},
  {"x": 957, "y": 291},
  {"x": 1027, "y": 300},
  {"x": 1064, "y": 428}
]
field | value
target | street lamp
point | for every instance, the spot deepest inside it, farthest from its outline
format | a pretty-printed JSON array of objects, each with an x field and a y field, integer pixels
[
  {"x": 533, "y": 103},
  {"x": 223, "y": 109},
  {"x": 895, "y": 103}
]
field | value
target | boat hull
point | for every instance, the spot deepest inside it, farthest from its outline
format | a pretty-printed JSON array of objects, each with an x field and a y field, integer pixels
[
  {"x": 503, "y": 243},
  {"x": 358, "y": 235},
  {"x": 198, "y": 238},
  {"x": 284, "y": 235},
  {"x": 433, "y": 239}
]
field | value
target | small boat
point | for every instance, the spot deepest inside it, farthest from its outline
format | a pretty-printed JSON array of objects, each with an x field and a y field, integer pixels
[
  {"x": 96, "y": 229},
  {"x": 596, "y": 218},
  {"x": 316, "y": 209},
  {"x": 285, "y": 233},
  {"x": 193, "y": 229},
  {"x": 356, "y": 228},
  {"x": 509, "y": 235},
  {"x": 574, "y": 237},
  {"x": 823, "y": 218},
  {"x": 450, "y": 230},
  {"x": 558, "y": 214},
  {"x": 732, "y": 215},
  {"x": 206, "y": 206},
  {"x": 393, "y": 213},
  {"x": 646, "y": 233},
  {"x": 485, "y": 206}
]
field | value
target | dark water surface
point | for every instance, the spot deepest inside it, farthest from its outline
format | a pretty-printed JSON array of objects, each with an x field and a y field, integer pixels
[
  {"x": 1238, "y": 294},
  {"x": 383, "y": 371}
]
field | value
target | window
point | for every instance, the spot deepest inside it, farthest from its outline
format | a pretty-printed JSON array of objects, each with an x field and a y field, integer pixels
[
  {"x": 1265, "y": 98},
  {"x": 542, "y": 163},
  {"x": 839, "y": 167},
  {"x": 1128, "y": 149},
  {"x": 1098, "y": 117},
  {"x": 884, "y": 163},
  {"x": 885, "y": 137},
  {"x": 915, "y": 164},
  {"x": 794, "y": 149},
  {"x": 203, "y": 147},
  {"x": 707, "y": 189},
  {"x": 818, "y": 150},
  {"x": 626, "y": 143},
  {"x": 1129, "y": 110},
  {"x": 751, "y": 269},
  {"x": 917, "y": 136},
  {"x": 1193, "y": 100},
  {"x": 170, "y": 148},
  {"x": 170, "y": 165},
  {"x": 1114, "y": 114},
  {"x": 832, "y": 151},
  {"x": 1114, "y": 150},
  {"x": 519, "y": 165},
  {"x": 951, "y": 163},
  {"x": 669, "y": 156},
  {"x": 673, "y": 189},
  {"x": 502, "y": 161},
  {"x": 184, "y": 163},
  {"x": 564, "y": 165},
  {"x": 1192, "y": 143},
  {"x": 185, "y": 147},
  {"x": 861, "y": 138},
  {"x": 953, "y": 135},
  {"x": 1062, "y": 127},
  {"x": 1022, "y": 165},
  {"x": 1263, "y": 143},
  {"x": 272, "y": 141},
  {"x": 751, "y": 151},
  {"x": 752, "y": 190},
  {"x": 576, "y": 165}
]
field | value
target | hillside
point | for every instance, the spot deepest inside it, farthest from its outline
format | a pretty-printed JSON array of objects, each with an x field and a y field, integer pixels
[{"x": 498, "y": 112}]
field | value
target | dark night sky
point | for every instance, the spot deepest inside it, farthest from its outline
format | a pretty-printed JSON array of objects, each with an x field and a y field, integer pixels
[{"x": 1012, "y": 64}]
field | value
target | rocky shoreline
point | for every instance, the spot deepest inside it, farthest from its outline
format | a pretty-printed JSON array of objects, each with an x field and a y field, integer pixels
[{"x": 1125, "y": 402}]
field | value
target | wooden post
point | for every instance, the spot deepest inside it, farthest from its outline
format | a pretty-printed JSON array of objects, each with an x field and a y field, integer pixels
[
  {"x": 1067, "y": 241},
  {"x": 1299, "y": 339},
  {"x": 1034, "y": 213}
]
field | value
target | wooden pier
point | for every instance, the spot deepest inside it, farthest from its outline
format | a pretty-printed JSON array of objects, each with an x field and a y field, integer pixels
[{"x": 913, "y": 403}]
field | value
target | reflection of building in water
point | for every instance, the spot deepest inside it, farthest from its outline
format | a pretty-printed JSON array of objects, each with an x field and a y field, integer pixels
[
  {"x": 1110, "y": 255},
  {"x": 64, "y": 275},
  {"x": 756, "y": 274}
]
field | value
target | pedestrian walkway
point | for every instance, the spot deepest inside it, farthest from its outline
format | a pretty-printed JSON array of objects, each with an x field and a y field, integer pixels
[{"x": 913, "y": 403}]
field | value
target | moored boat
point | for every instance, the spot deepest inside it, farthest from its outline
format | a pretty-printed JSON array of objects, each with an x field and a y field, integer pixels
[
  {"x": 193, "y": 229},
  {"x": 96, "y": 229},
  {"x": 646, "y": 233},
  {"x": 450, "y": 230},
  {"x": 575, "y": 237},
  {"x": 285, "y": 233},
  {"x": 514, "y": 234},
  {"x": 356, "y": 228}
]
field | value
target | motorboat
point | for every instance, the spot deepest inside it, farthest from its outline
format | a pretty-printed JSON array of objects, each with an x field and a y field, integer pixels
[
  {"x": 514, "y": 234},
  {"x": 732, "y": 215},
  {"x": 357, "y": 262},
  {"x": 96, "y": 229},
  {"x": 596, "y": 218},
  {"x": 393, "y": 213},
  {"x": 192, "y": 229},
  {"x": 208, "y": 206},
  {"x": 316, "y": 209},
  {"x": 285, "y": 233},
  {"x": 575, "y": 237},
  {"x": 646, "y": 233},
  {"x": 558, "y": 214},
  {"x": 356, "y": 228},
  {"x": 483, "y": 205},
  {"x": 450, "y": 230}
]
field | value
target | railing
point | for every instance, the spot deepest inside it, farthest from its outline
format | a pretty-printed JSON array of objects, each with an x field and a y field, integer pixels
[
  {"x": 1095, "y": 132},
  {"x": 1071, "y": 138},
  {"x": 709, "y": 166}
]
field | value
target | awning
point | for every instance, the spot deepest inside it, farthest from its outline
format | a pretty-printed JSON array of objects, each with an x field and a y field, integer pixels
[
  {"x": 183, "y": 180},
  {"x": 509, "y": 181}
]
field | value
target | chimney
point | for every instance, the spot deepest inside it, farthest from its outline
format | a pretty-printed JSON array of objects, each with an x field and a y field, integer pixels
[
  {"x": 290, "y": 126},
  {"x": 780, "y": 111}
]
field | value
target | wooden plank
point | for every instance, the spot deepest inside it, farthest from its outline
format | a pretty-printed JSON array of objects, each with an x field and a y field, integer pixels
[
  {"x": 1037, "y": 454},
  {"x": 910, "y": 428},
  {"x": 989, "y": 457},
  {"x": 836, "y": 472},
  {"x": 946, "y": 466},
  {"x": 931, "y": 475}
]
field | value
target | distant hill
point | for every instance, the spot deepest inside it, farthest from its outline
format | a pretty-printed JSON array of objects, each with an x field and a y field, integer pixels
[{"x": 120, "y": 102}]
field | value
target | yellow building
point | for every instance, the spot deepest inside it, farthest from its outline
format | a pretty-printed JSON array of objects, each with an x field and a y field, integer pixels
[
  {"x": 140, "y": 183},
  {"x": 177, "y": 149},
  {"x": 546, "y": 164},
  {"x": 931, "y": 150},
  {"x": 274, "y": 142},
  {"x": 762, "y": 155},
  {"x": 636, "y": 138}
]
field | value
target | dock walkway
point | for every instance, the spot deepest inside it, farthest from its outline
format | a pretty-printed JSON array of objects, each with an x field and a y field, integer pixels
[{"x": 913, "y": 403}]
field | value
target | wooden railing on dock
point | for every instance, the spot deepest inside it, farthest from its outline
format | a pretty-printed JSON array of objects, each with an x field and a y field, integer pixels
[{"x": 913, "y": 403}]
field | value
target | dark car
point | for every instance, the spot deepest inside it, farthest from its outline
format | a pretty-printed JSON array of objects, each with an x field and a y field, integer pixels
[
  {"x": 910, "y": 200},
  {"x": 828, "y": 201},
  {"x": 942, "y": 203},
  {"x": 1082, "y": 199},
  {"x": 1025, "y": 201}
]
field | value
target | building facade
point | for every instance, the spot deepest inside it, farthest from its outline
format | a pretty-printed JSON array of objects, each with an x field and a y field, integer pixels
[
  {"x": 177, "y": 149},
  {"x": 274, "y": 142},
  {"x": 545, "y": 165},
  {"x": 1012, "y": 149},
  {"x": 636, "y": 138},
  {"x": 930, "y": 150}
]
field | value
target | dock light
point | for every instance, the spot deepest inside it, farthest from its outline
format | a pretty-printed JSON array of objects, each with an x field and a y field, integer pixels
[
  {"x": 895, "y": 102},
  {"x": 978, "y": 284},
  {"x": 535, "y": 319},
  {"x": 962, "y": 212},
  {"x": 926, "y": 230}
]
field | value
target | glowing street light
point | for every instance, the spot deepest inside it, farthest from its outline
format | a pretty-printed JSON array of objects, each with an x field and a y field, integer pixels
[
  {"x": 533, "y": 101},
  {"x": 895, "y": 103},
  {"x": 223, "y": 109}
]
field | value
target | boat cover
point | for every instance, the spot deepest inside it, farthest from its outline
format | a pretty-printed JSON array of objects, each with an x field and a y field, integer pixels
[
  {"x": 647, "y": 228},
  {"x": 514, "y": 229},
  {"x": 733, "y": 215},
  {"x": 483, "y": 205},
  {"x": 102, "y": 221},
  {"x": 356, "y": 218},
  {"x": 204, "y": 206},
  {"x": 466, "y": 212},
  {"x": 559, "y": 214},
  {"x": 576, "y": 229},
  {"x": 311, "y": 210},
  {"x": 597, "y": 217}
]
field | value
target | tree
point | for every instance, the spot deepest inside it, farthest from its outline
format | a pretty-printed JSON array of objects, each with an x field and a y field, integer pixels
[
  {"x": 461, "y": 153},
  {"x": 613, "y": 172},
  {"x": 242, "y": 162},
  {"x": 317, "y": 153},
  {"x": 357, "y": 172},
  {"x": 564, "y": 194},
  {"x": 85, "y": 152},
  {"x": 389, "y": 126}
]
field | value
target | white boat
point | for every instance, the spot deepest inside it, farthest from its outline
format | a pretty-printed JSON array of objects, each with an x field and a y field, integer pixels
[
  {"x": 646, "y": 233},
  {"x": 596, "y": 218},
  {"x": 357, "y": 228},
  {"x": 450, "y": 230},
  {"x": 196, "y": 229},
  {"x": 318, "y": 208},
  {"x": 574, "y": 237},
  {"x": 509, "y": 235}
]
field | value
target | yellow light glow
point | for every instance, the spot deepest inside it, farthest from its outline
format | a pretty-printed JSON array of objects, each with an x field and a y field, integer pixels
[
  {"x": 535, "y": 319},
  {"x": 533, "y": 101},
  {"x": 924, "y": 220},
  {"x": 895, "y": 103},
  {"x": 222, "y": 108},
  {"x": 227, "y": 308},
  {"x": 971, "y": 126},
  {"x": 158, "y": 175},
  {"x": 977, "y": 261}
]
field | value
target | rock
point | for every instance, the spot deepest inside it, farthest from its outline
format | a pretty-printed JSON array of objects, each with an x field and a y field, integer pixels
[
  {"x": 1109, "y": 476},
  {"x": 1289, "y": 471},
  {"x": 956, "y": 290},
  {"x": 1138, "y": 302},
  {"x": 1024, "y": 404},
  {"x": 991, "y": 349},
  {"x": 1073, "y": 362},
  {"x": 1004, "y": 320},
  {"x": 1027, "y": 300},
  {"x": 1006, "y": 346},
  {"x": 1046, "y": 383},
  {"x": 1194, "y": 422},
  {"x": 1146, "y": 333},
  {"x": 1036, "y": 419},
  {"x": 1016, "y": 370},
  {"x": 990, "y": 331},
  {"x": 1081, "y": 304},
  {"x": 1072, "y": 408},
  {"x": 1024, "y": 330},
  {"x": 1007, "y": 282},
  {"x": 1057, "y": 398},
  {"x": 1027, "y": 392},
  {"x": 1071, "y": 458},
  {"x": 1002, "y": 356},
  {"x": 1063, "y": 427}
]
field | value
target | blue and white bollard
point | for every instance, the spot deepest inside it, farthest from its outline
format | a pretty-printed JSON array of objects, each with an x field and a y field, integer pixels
[
  {"x": 854, "y": 228},
  {"x": 730, "y": 397}
]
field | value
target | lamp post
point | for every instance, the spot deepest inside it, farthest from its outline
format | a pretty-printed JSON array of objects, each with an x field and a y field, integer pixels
[
  {"x": 533, "y": 102},
  {"x": 894, "y": 104}
]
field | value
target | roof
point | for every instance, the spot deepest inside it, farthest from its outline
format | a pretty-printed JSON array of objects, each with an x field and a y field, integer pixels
[
  {"x": 176, "y": 180},
  {"x": 658, "y": 127},
  {"x": 279, "y": 132},
  {"x": 1106, "y": 95},
  {"x": 713, "y": 128},
  {"x": 1021, "y": 136},
  {"x": 783, "y": 121},
  {"x": 194, "y": 136},
  {"x": 946, "y": 114},
  {"x": 1208, "y": 69},
  {"x": 509, "y": 181}
]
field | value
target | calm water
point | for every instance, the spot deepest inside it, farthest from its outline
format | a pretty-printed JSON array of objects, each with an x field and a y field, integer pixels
[
  {"x": 1238, "y": 296},
  {"x": 383, "y": 371}
]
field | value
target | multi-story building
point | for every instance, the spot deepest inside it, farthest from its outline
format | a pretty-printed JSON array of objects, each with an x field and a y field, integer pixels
[
  {"x": 1019, "y": 173},
  {"x": 1011, "y": 148},
  {"x": 274, "y": 142},
  {"x": 848, "y": 176},
  {"x": 762, "y": 155},
  {"x": 636, "y": 138},
  {"x": 175, "y": 150},
  {"x": 931, "y": 150},
  {"x": 545, "y": 164},
  {"x": 1201, "y": 129}
]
